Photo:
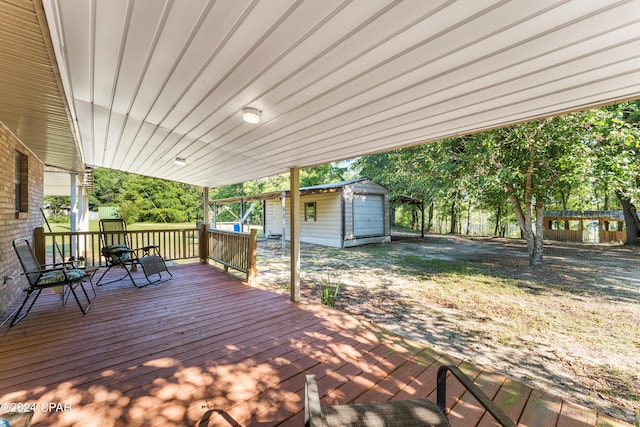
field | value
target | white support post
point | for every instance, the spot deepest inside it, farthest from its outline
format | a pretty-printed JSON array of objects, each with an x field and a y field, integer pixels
[
  {"x": 294, "y": 232},
  {"x": 83, "y": 220},
  {"x": 284, "y": 222},
  {"x": 205, "y": 205},
  {"x": 73, "y": 214}
]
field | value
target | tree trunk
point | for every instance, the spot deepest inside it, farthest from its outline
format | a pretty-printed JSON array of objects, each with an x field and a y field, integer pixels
[
  {"x": 469, "y": 218},
  {"x": 631, "y": 221},
  {"x": 498, "y": 214},
  {"x": 531, "y": 232},
  {"x": 452, "y": 230},
  {"x": 535, "y": 258},
  {"x": 430, "y": 222},
  {"x": 565, "y": 204},
  {"x": 606, "y": 208}
]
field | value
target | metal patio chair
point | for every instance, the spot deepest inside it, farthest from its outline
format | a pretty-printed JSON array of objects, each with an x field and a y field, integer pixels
[
  {"x": 41, "y": 277},
  {"x": 117, "y": 252},
  {"x": 400, "y": 413}
]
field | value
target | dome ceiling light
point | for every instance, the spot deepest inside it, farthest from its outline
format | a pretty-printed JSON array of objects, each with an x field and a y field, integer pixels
[{"x": 251, "y": 115}]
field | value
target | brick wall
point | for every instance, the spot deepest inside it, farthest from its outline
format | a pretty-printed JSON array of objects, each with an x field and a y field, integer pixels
[{"x": 11, "y": 227}]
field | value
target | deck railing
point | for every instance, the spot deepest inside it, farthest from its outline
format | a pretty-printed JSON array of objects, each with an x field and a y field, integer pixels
[{"x": 232, "y": 250}]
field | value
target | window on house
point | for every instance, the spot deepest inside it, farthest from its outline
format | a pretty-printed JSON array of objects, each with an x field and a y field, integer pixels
[
  {"x": 21, "y": 183},
  {"x": 310, "y": 211}
]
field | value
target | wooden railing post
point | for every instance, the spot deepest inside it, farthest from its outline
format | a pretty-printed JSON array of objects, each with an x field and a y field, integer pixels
[
  {"x": 203, "y": 243},
  {"x": 184, "y": 243},
  {"x": 40, "y": 245},
  {"x": 252, "y": 270}
]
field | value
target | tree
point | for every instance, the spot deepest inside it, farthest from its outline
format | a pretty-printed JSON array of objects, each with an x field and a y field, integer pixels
[
  {"x": 143, "y": 198},
  {"x": 107, "y": 188},
  {"x": 615, "y": 146},
  {"x": 529, "y": 160},
  {"x": 324, "y": 174},
  {"x": 405, "y": 173}
]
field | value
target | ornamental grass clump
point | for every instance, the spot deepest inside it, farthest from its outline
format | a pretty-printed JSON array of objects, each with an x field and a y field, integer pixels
[{"x": 329, "y": 293}]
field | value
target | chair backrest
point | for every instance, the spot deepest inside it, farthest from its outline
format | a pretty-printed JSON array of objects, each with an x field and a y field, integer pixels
[
  {"x": 28, "y": 260},
  {"x": 113, "y": 232}
]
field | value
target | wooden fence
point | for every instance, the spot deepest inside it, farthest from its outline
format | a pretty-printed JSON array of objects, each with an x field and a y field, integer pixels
[
  {"x": 577, "y": 236},
  {"x": 613, "y": 236},
  {"x": 564, "y": 235}
]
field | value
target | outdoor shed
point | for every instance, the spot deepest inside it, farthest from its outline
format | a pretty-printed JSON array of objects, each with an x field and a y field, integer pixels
[
  {"x": 569, "y": 226},
  {"x": 341, "y": 214}
]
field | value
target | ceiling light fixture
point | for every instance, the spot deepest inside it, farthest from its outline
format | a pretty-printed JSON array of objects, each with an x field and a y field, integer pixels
[
  {"x": 251, "y": 115},
  {"x": 180, "y": 161}
]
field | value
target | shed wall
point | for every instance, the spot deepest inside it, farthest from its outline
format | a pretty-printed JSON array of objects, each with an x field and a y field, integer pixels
[{"x": 326, "y": 230}]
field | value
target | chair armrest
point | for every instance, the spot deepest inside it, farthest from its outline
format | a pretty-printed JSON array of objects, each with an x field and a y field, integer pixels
[
  {"x": 312, "y": 409},
  {"x": 117, "y": 251},
  {"x": 146, "y": 249},
  {"x": 484, "y": 400}
]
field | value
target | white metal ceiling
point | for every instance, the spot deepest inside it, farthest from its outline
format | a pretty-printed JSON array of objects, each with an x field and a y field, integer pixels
[{"x": 152, "y": 80}]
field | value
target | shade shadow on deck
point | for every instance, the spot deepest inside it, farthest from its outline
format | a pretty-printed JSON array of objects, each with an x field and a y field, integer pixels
[{"x": 204, "y": 349}]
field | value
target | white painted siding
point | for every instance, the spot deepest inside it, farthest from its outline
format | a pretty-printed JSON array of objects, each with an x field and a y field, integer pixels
[
  {"x": 326, "y": 230},
  {"x": 273, "y": 217}
]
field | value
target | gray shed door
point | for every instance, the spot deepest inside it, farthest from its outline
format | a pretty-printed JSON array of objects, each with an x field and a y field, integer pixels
[{"x": 368, "y": 215}]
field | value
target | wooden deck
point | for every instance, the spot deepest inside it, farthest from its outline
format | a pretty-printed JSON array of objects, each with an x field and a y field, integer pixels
[{"x": 204, "y": 349}]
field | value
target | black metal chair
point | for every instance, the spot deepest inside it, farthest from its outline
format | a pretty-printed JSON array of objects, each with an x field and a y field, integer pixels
[
  {"x": 400, "y": 413},
  {"x": 41, "y": 277},
  {"x": 117, "y": 252}
]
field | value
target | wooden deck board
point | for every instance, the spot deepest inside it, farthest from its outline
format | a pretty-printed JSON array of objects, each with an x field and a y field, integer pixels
[
  {"x": 572, "y": 415},
  {"x": 468, "y": 410},
  {"x": 541, "y": 410},
  {"x": 205, "y": 349}
]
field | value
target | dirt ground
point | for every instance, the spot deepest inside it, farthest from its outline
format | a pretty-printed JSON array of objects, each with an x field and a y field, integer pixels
[{"x": 572, "y": 328}]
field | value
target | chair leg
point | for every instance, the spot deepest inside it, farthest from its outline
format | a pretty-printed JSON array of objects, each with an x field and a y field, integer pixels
[
  {"x": 127, "y": 273},
  {"x": 102, "y": 275},
  {"x": 84, "y": 291},
  {"x": 18, "y": 317}
]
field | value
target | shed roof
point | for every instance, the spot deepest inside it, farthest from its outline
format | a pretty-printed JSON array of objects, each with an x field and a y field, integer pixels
[
  {"x": 304, "y": 191},
  {"x": 588, "y": 215}
]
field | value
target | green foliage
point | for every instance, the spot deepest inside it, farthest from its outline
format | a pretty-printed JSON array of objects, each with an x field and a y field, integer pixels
[
  {"x": 58, "y": 207},
  {"x": 615, "y": 149},
  {"x": 146, "y": 199},
  {"x": 320, "y": 175},
  {"x": 285, "y": 285},
  {"x": 329, "y": 293},
  {"x": 129, "y": 211},
  {"x": 59, "y": 218}
]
